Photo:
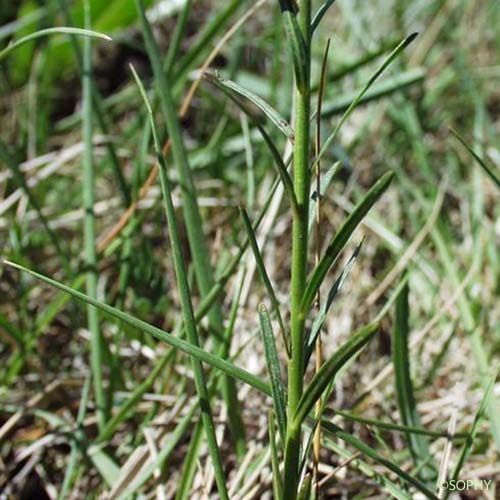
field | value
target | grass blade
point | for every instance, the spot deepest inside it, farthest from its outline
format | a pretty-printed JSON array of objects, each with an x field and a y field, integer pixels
[
  {"x": 340, "y": 239},
  {"x": 263, "y": 273},
  {"x": 61, "y": 30},
  {"x": 187, "y": 308},
  {"x": 328, "y": 371},
  {"x": 348, "y": 438},
  {"x": 392, "y": 56},
  {"x": 280, "y": 165},
  {"x": 417, "y": 443},
  {"x": 320, "y": 14},
  {"x": 494, "y": 177},
  {"x": 466, "y": 448},
  {"x": 97, "y": 352},
  {"x": 296, "y": 43},
  {"x": 325, "y": 306},
  {"x": 200, "y": 251},
  {"x": 273, "y": 368},
  {"x": 280, "y": 122},
  {"x": 186, "y": 347}
]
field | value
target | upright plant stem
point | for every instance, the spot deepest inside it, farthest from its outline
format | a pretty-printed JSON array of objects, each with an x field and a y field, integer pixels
[
  {"x": 96, "y": 341},
  {"x": 301, "y": 182}
]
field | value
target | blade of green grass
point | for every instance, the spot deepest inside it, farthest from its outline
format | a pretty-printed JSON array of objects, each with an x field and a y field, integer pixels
[
  {"x": 61, "y": 30},
  {"x": 327, "y": 372},
  {"x": 417, "y": 443},
  {"x": 494, "y": 177},
  {"x": 392, "y": 56},
  {"x": 96, "y": 339},
  {"x": 278, "y": 120},
  {"x": 274, "y": 370},
  {"x": 340, "y": 239},
  {"x": 347, "y": 437},
  {"x": 320, "y": 14},
  {"x": 325, "y": 306},
  {"x": 467, "y": 446},
  {"x": 280, "y": 164},
  {"x": 197, "y": 243},
  {"x": 187, "y": 308},
  {"x": 263, "y": 273}
]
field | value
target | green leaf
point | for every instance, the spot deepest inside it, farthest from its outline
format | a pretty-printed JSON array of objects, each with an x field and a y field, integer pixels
[
  {"x": 273, "y": 368},
  {"x": 186, "y": 304},
  {"x": 186, "y": 347},
  {"x": 51, "y": 31},
  {"x": 280, "y": 165},
  {"x": 352, "y": 440},
  {"x": 466, "y": 448},
  {"x": 340, "y": 239},
  {"x": 280, "y": 122},
  {"x": 320, "y": 13},
  {"x": 417, "y": 443},
  {"x": 305, "y": 488},
  {"x": 325, "y": 306},
  {"x": 391, "y": 57},
  {"x": 329, "y": 369},
  {"x": 263, "y": 273},
  {"x": 296, "y": 44},
  {"x": 494, "y": 177}
]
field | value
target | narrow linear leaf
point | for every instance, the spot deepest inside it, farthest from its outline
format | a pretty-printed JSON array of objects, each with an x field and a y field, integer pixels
[
  {"x": 280, "y": 165},
  {"x": 466, "y": 448},
  {"x": 340, "y": 239},
  {"x": 480, "y": 161},
  {"x": 296, "y": 43},
  {"x": 325, "y": 306},
  {"x": 330, "y": 369},
  {"x": 273, "y": 368},
  {"x": 389, "y": 426},
  {"x": 51, "y": 31},
  {"x": 417, "y": 443},
  {"x": 184, "y": 346},
  {"x": 263, "y": 273},
  {"x": 187, "y": 306},
  {"x": 280, "y": 122},
  {"x": 390, "y": 58},
  {"x": 320, "y": 14},
  {"x": 305, "y": 488},
  {"x": 350, "y": 439}
]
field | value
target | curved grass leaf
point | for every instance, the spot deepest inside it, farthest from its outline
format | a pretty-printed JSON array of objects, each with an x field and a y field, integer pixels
[
  {"x": 61, "y": 30},
  {"x": 494, "y": 177},
  {"x": 273, "y": 368},
  {"x": 340, "y": 239},
  {"x": 417, "y": 443},
  {"x": 280, "y": 165},
  {"x": 352, "y": 440},
  {"x": 320, "y": 14},
  {"x": 282, "y": 125},
  {"x": 466, "y": 448},
  {"x": 390, "y": 58},
  {"x": 184, "y": 346},
  {"x": 325, "y": 306},
  {"x": 187, "y": 308},
  {"x": 328, "y": 371},
  {"x": 264, "y": 275}
]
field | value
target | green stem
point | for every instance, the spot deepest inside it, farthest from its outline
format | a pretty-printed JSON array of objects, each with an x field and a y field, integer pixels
[{"x": 301, "y": 182}]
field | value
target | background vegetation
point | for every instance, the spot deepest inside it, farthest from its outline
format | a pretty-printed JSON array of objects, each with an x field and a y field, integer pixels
[{"x": 96, "y": 405}]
